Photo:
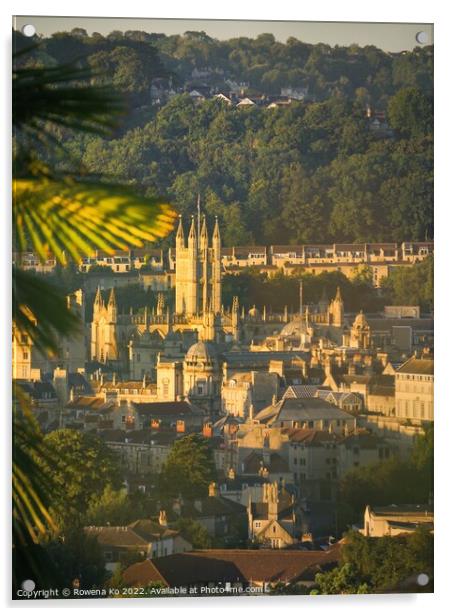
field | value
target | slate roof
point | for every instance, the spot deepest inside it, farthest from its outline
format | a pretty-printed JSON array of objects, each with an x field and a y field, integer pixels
[
  {"x": 337, "y": 396},
  {"x": 212, "y": 506},
  {"x": 301, "y": 409},
  {"x": 417, "y": 366},
  {"x": 137, "y": 534},
  {"x": 221, "y": 566},
  {"x": 409, "y": 510},
  {"x": 92, "y": 403},
  {"x": 38, "y": 390},
  {"x": 301, "y": 391}
]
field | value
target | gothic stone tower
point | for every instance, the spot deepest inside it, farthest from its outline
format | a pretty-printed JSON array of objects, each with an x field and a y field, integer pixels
[
  {"x": 198, "y": 271},
  {"x": 104, "y": 345},
  {"x": 336, "y": 310}
]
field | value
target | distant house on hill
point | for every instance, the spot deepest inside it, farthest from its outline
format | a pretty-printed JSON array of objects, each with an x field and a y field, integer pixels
[{"x": 246, "y": 102}]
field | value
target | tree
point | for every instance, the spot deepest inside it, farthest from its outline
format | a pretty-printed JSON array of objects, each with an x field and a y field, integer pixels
[
  {"x": 83, "y": 466},
  {"x": 410, "y": 112},
  {"x": 77, "y": 557},
  {"x": 194, "y": 532},
  {"x": 378, "y": 564},
  {"x": 343, "y": 580},
  {"x": 411, "y": 285},
  {"x": 189, "y": 468},
  {"x": 115, "y": 507}
]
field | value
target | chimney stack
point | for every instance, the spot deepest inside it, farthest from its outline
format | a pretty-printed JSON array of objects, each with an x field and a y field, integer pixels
[
  {"x": 213, "y": 489},
  {"x": 207, "y": 430},
  {"x": 162, "y": 518}
]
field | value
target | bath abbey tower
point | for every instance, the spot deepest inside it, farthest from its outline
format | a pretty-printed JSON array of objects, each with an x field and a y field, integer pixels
[{"x": 198, "y": 270}]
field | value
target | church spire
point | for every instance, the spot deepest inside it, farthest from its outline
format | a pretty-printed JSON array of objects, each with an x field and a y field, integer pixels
[
  {"x": 98, "y": 300},
  {"x": 216, "y": 239},
  {"x": 338, "y": 297},
  {"x": 180, "y": 238},
  {"x": 192, "y": 240},
  {"x": 112, "y": 298},
  {"x": 203, "y": 238},
  {"x": 112, "y": 307}
]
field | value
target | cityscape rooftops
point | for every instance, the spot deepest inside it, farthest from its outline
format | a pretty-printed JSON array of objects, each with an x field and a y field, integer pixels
[{"x": 222, "y": 566}]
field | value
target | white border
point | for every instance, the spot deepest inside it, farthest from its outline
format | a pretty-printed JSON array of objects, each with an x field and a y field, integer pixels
[{"x": 430, "y": 11}]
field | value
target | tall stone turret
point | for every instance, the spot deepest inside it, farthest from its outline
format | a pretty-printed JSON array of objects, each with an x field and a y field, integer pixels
[
  {"x": 204, "y": 251},
  {"x": 198, "y": 270},
  {"x": 112, "y": 307},
  {"x": 216, "y": 268},
  {"x": 104, "y": 345},
  {"x": 336, "y": 310},
  {"x": 235, "y": 319},
  {"x": 180, "y": 237}
]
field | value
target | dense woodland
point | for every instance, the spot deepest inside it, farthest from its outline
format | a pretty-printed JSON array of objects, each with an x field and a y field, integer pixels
[{"x": 311, "y": 171}]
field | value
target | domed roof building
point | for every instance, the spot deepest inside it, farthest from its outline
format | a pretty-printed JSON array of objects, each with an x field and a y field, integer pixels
[
  {"x": 360, "y": 332},
  {"x": 202, "y": 375},
  {"x": 202, "y": 352}
]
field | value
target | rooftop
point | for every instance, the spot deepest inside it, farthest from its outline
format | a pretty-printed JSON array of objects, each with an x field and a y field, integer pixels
[
  {"x": 416, "y": 366},
  {"x": 301, "y": 409},
  {"x": 221, "y": 566}
]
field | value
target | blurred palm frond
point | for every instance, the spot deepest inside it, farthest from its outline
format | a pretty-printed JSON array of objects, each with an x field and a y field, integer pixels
[
  {"x": 32, "y": 490},
  {"x": 74, "y": 218},
  {"x": 63, "y": 95}
]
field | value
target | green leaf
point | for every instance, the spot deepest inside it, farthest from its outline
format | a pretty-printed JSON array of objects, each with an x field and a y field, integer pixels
[{"x": 75, "y": 218}]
